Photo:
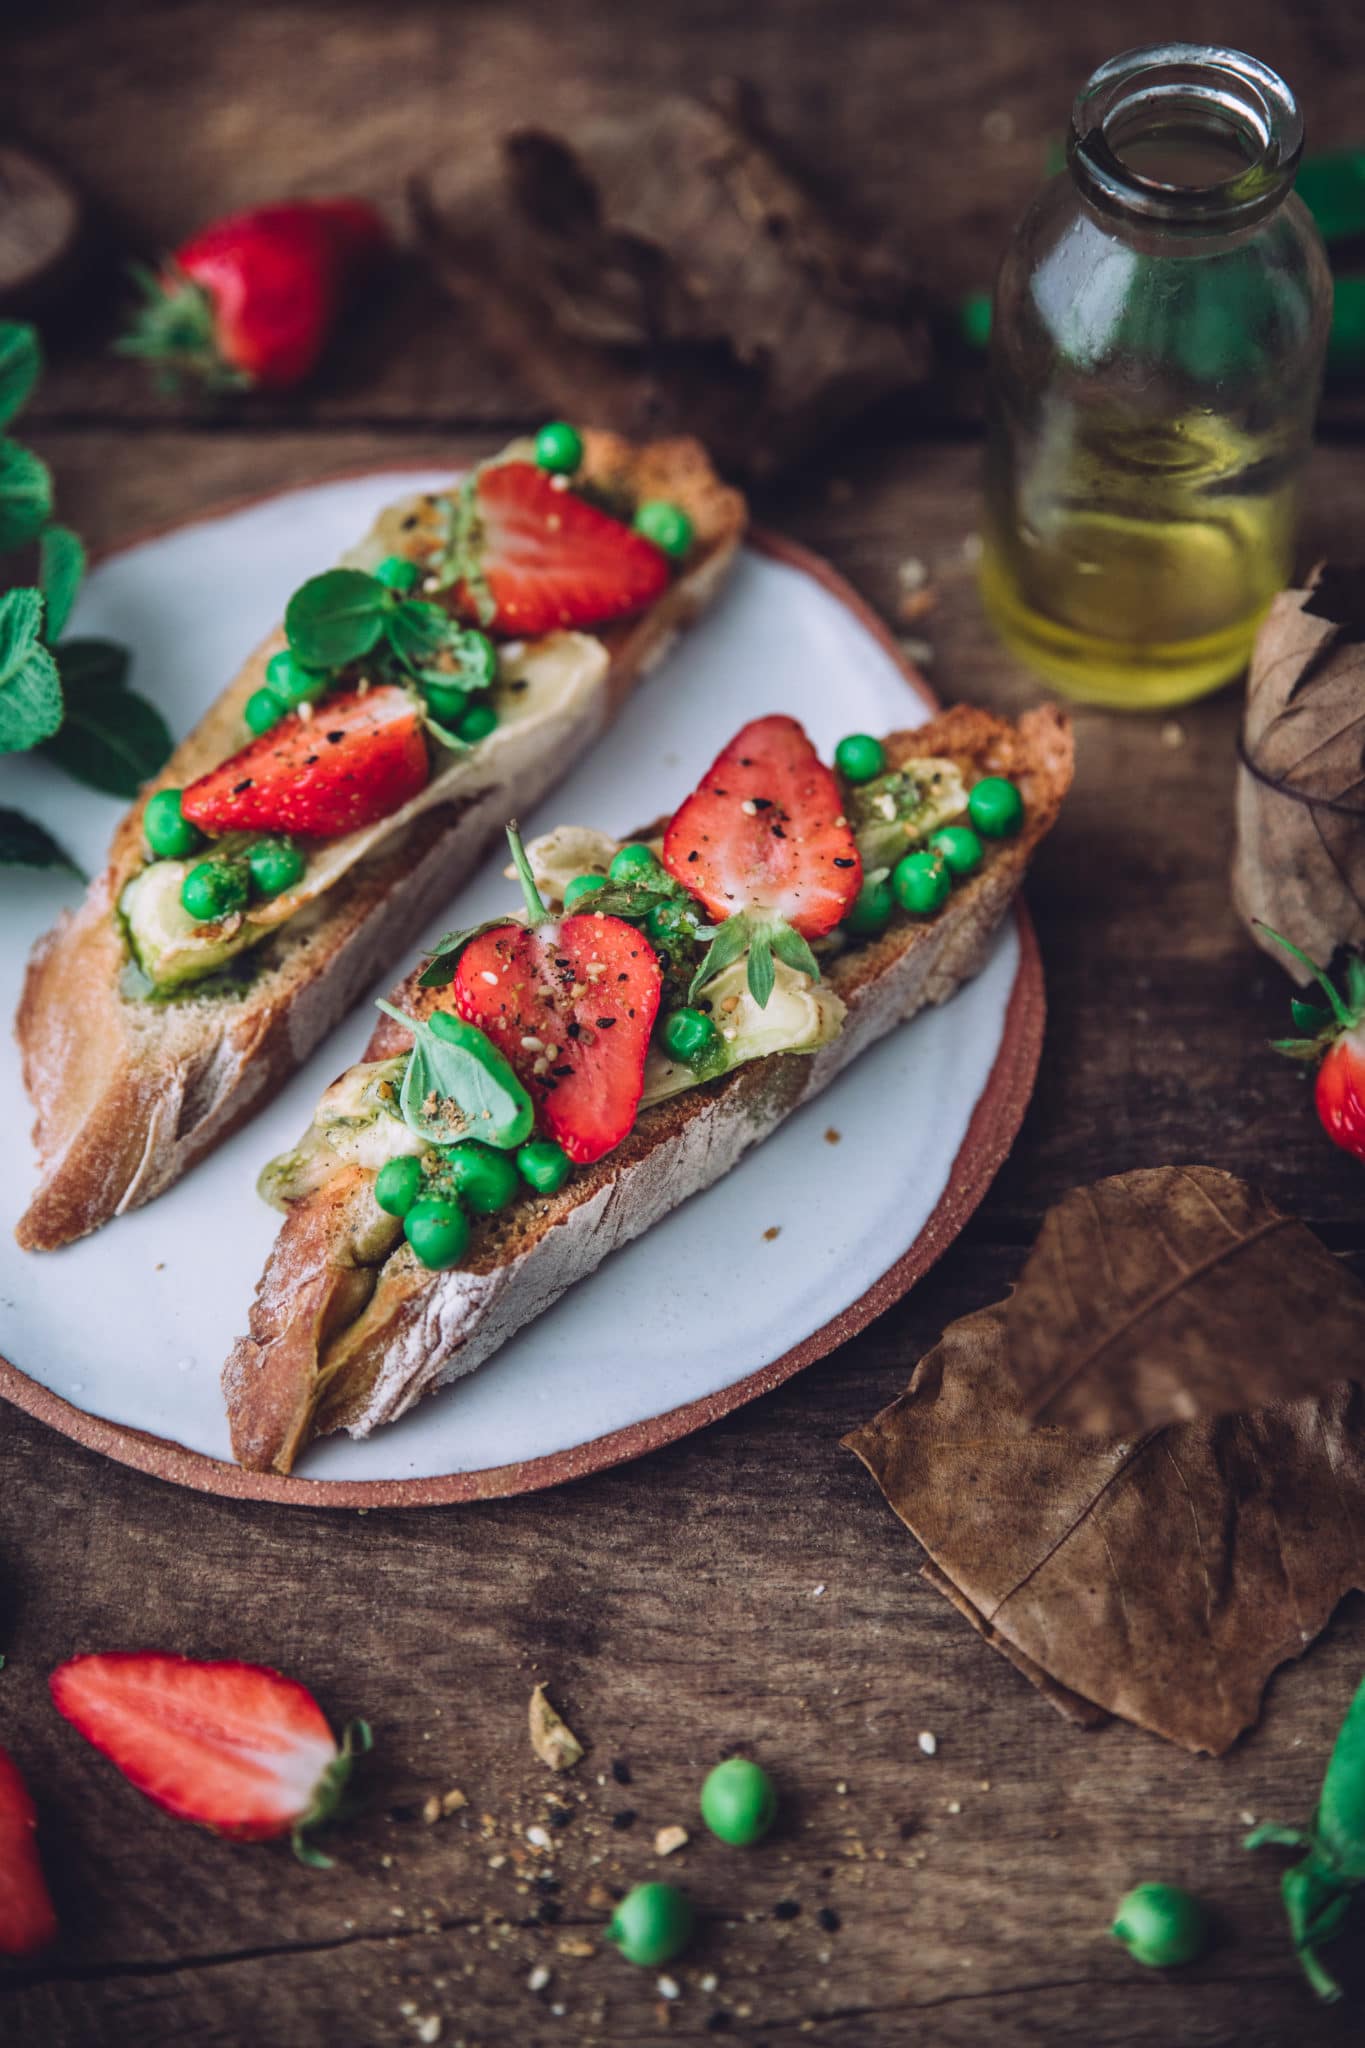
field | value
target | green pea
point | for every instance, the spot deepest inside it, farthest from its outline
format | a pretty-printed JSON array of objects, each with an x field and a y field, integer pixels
[
  {"x": 559, "y": 448},
  {"x": 446, "y": 702},
  {"x": 739, "y": 1801},
  {"x": 960, "y": 847},
  {"x": 921, "y": 883},
  {"x": 667, "y": 921},
  {"x": 872, "y": 910},
  {"x": 398, "y": 1183},
  {"x": 214, "y": 890},
  {"x": 1161, "y": 1926},
  {"x": 543, "y": 1165},
  {"x": 996, "y": 807},
  {"x": 633, "y": 863},
  {"x": 478, "y": 658},
  {"x": 581, "y": 886},
  {"x": 481, "y": 1176},
  {"x": 438, "y": 1231},
  {"x": 689, "y": 1036},
  {"x": 667, "y": 525},
  {"x": 652, "y": 1924},
  {"x": 169, "y": 832},
  {"x": 264, "y": 708},
  {"x": 477, "y": 723},
  {"x": 291, "y": 682},
  {"x": 275, "y": 865},
  {"x": 860, "y": 758},
  {"x": 396, "y": 574}
]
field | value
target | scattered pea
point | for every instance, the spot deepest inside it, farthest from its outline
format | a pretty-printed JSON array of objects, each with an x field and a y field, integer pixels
[
  {"x": 667, "y": 525},
  {"x": 214, "y": 889},
  {"x": 438, "y": 1231},
  {"x": 1161, "y": 1926},
  {"x": 739, "y": 1801},
  {"x": 170, "y": 834},
  {"x": 921, "y": 883},
  {"x": 960, "y": 847},
  {"x": 667, "y": 921},
  {"x": 859, "y": 757},
  {"x": 581, "y": 886},
  {"x": 290, "y": 681},
  {"x": 477, "y": 723},
  {"x": 446, "y": 702},
  {"x": 264, "y": 708},
  {"x": 559, "y": 448},
  {"x": 275, "y": 865},
  {"x": 689, "y": 1036},
  {"x": 397, "y": 1184},
  {"x": 482, "y": 1177},
  {"x": 996, "y": 807},
  {"x": 652, "y": 1924},
  {"x": 633, "y": 863},
  {"x": 872, "y": 909},
  {"x": 544, "y": 1165},
  {"x": 396, "y": 574}
]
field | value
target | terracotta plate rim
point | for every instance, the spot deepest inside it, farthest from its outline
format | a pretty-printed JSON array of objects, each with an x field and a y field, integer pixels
[{"x": 994, "y": 1125}]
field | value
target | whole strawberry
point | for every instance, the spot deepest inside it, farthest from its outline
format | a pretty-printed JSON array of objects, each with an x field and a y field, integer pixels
[
  {"x": 1334, "y": 1041},
  {"x": 236, "y": 1747},
  {"x": 249, "y": 301},
  {"x": 27, "y": 1921}
]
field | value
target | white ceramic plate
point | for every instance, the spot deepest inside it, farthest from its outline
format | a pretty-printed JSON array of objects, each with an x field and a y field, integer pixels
[{"x": 129, "y": 1328}]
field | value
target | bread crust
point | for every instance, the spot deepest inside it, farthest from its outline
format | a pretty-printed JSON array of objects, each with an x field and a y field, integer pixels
[
  {"x": 129, "y": 1094},
  {"x": 310, "y": 1364}
]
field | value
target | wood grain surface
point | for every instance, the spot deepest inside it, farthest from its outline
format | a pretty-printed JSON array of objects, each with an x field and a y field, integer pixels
[{"x": 746, "y": 1588}]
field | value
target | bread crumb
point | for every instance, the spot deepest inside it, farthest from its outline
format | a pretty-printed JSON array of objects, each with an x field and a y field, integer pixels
[
  {"x": 833, "y": 1137},
  {"x": 452, "y": 1801},
  {"x": 668, "y": 1840},
  {"x": 576, "y": 1945},
  {"x": 773, "y": 1230},
  {"x": 538, "y": 1978},
  {"x": 431, "y": 1810},
  {"x": 553, "y": 1741},
  {"x": 928, "y": 1741},
  {"x": 1172, "y": 733}
]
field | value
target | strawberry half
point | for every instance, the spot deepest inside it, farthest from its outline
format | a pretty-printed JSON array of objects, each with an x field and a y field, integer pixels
[
  {"x": 570, "y": 1003},
  {"x": 235, "y": 1747},
  {"x": 537, "y": 558},
  {"x": 27, "y": 1920},
  {"x": 360, "y": 757},
  {"x": 1335, "y": 1044},
  {"x": 763, "y": 843}
]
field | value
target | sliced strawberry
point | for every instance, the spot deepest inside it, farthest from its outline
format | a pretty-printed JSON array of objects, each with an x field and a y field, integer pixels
[
  {"x": 27, "y": 1921},
  {"x": 235, "y": 1747},
  {"x": 358, "y": 758},
  {"x": 570, "y": 1002},
  {"x": 764, "y": 833},
  {"x": 545, "y": 558}
]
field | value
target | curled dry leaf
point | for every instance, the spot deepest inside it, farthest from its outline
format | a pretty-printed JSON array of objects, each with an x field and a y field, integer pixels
[
  {"x": 1300, "y": 860},
  {"x": 1173, "y": 1292},
  {"x": 1161, "y": 1578},
  {"x": 553, "y": 1741}
]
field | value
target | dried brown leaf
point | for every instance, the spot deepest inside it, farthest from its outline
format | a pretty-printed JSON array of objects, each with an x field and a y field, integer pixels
[
  {"x": 1173, "y": 1292},
  {"x": 553, "y": 1741},
  {"x": 1299, "y": 866},
  {"x": 1162, "y": 1578}
]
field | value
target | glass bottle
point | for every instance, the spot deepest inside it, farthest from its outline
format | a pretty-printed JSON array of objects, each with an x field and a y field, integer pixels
[{"x": 1157, "y": 341}]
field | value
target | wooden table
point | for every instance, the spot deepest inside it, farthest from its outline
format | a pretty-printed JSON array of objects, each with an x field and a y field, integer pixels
[{"x": 748, "y": 1586}]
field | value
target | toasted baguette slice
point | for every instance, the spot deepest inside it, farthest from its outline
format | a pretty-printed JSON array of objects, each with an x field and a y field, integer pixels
[
  {"x": 347, "y": 1333},
  {"x": 130, "y": 1093}
]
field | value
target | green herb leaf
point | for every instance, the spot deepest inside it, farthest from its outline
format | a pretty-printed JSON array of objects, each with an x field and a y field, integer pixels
[
  {"x": 111, "y": 738},
  {"x": 761, "y": 976},
  {"x": 458, "y": 1085},
  {"x": 446, "y": 952},
  {"x": 336, "y": 617},
  {"x": 21, "y": 362},
  {"x": 418, "y": 630},
  {"x": 25, "y": 495},
  {"x": 30, "y": 688},
  {"x": 26, "y": 845},
  {"x": 726, "y": 947},
  {"x": 61, "y": 570},
  {"x": 1309, "y": 1017},
  {"x": 792, "y": 950},
  {"x": 463, "y": 558}
]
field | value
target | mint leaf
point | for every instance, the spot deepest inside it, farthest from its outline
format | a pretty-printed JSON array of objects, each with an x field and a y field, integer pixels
[
  {"x": 25, "y": 495},
  {"x": 61, "y": 570},
  {"x": 30, "y": 688},
  {"x": 458, "y": 1085},
  {"x": 726, "y": 947},
  {"x": 438, "y": 649},
  {"x": 417, "y": 631},
  {"x": 792, "y": 950},
  {"x": 21, "y": 361},
  {"x": 444, "y": 954},
  {"x": 336, "y": 617},
  {"x": 111, "y": 738},
  {"x": 26, "y": 845}
]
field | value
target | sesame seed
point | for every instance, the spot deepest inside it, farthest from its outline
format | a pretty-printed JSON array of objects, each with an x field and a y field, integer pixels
[
  {"x": 487, "y": 974},
  {"x": 532, "y": 1044},
  {"x": 928, "y": 1741}
]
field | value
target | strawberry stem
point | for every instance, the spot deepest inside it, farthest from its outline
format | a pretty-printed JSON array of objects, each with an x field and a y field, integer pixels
[
  {"x": 536, "y": 913},
  {"x": 330, "y": 1801},
  {"x": 1339, "y": 1009}
]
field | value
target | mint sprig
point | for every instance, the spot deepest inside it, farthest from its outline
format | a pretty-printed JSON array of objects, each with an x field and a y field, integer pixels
[
  {"x": 347, "y": 615},
  {"x": 30, "y": 687}
]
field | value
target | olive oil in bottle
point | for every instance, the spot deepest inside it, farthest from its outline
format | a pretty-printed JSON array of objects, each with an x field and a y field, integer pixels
[{"x": 1157, "y": 343}]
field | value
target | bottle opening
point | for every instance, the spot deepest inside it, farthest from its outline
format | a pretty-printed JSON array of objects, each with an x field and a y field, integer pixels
[{"x": 1185, "y": 134}]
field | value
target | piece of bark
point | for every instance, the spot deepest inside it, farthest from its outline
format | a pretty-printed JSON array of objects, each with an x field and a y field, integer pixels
[
  {"x": 1161, "y": 1578},
  {"x": 1173, "y": 1292},
  {"x": 659, "y": 268},
  {"x": 1299, "y": 864}
]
